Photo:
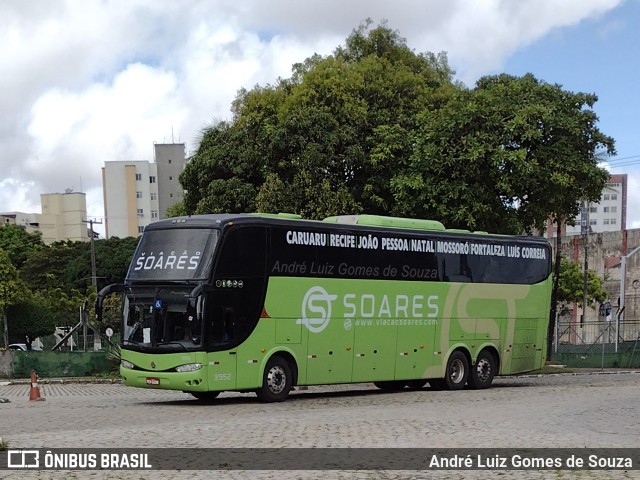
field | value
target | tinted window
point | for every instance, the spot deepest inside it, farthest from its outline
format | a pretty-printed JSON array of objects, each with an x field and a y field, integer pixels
[
  {"x": 344, "y": 253},
  {"x": 173, "y": 254},
  {"x": 233, "y": 307}
]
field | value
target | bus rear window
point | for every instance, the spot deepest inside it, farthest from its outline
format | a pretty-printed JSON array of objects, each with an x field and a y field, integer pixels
[{"x": 173, "y": 254}]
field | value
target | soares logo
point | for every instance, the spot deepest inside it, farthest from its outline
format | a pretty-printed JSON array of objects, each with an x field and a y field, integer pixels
[
  {"x": 317, "y": 306},
  {"x": 316, "y": 309}
]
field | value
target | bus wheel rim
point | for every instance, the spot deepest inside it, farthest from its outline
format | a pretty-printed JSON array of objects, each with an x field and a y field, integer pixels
[
  {"x": 456, "y": 373},
  {"x": 483, "y": 369},
  {"x": 276, "y": 379}
]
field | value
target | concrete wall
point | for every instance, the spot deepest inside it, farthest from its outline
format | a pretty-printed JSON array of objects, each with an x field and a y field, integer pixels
[{"x": 604, "y": 252}]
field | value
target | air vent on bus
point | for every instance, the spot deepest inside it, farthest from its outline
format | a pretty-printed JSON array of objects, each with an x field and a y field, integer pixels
[
  {"x": 293, "y": 216},
  {"x": 381, "y": 221}
]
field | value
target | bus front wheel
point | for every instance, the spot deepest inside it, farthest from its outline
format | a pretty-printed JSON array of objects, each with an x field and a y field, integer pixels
[
  {"x": 205, "y": 395},
  {"x": 276, "y": 381},
  {"x": 483, "y": 371}
]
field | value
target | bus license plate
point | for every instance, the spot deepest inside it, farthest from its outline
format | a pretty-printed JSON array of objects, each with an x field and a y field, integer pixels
[{"x": 153, "y": 381}]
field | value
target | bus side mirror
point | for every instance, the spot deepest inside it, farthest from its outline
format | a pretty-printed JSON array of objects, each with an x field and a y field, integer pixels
[{"x": 102, "y": 294}]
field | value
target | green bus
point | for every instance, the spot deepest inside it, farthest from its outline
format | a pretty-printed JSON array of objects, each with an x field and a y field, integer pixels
[{"x": 265, "y": 302}]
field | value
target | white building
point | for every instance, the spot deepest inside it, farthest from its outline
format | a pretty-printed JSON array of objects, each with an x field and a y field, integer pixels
[
  {"x": 139, "y": 192},
  {"x": 609, "y": 215}
]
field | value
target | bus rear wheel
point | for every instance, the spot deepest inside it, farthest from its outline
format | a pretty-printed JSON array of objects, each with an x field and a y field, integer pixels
[
  {"x": 483, "y": 371},
  {"x": 276, "y": 381},
  {"x": 456, "y": 374}
]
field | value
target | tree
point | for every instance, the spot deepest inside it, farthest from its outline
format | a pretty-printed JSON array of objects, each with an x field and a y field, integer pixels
[
  {"x": 18, "y": 243},
  {"x": 329, "y": 136},
  {"x": 111, "y": 312},
  {"x": 571, "y": 285},
  {"x": 11, "y": 289},
  {"x": 45, "y": 268},
  {"x": 177, "y": 210},
  {"x": 67, "y": 265},
  {"x": 32, "y": 316},
  {"x": 505, "y": 157},
  {"x": 378, "y": 128}
]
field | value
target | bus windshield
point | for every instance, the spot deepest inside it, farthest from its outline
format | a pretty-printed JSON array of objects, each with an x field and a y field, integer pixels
[
  {"x": 173, "y": 254},
  {"x": 161, "y": 319}
]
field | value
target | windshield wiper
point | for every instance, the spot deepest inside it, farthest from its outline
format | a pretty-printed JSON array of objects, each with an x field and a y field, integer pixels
[{"x": 173, "y": 343}]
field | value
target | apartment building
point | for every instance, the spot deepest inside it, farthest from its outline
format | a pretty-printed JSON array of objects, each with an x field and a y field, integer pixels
[
  {"x": 139, "y": 192},
  {"x": 63, "y": 217},
  {"x": 608, "y": 215}
]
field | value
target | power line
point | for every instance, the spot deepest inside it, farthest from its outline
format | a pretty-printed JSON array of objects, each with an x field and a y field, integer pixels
[
  {"x": 615, "y": 159},
  {"x": 623, "y": 161}
]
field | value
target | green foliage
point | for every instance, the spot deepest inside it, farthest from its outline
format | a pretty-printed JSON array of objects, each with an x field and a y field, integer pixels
[
  {"x": 571, "y": 285},
  {"x": 10, "y": 285},
  {"x": 177, "y": 210},
  {"x": 67, "y": 265},
  {"x": 47, "y": 267},
  {"x": 378, "y": 128},
  {"x": 324, "y": 141},
  {"x": 111, "y": 312},
  {"x": 56, "y": 282},
  {"x": 113, "y": 357},
  {"x": 11, "y": 290},
  {"x": 34, "y": 316},
  {"x": 505, "y": 157},
  {"x": 18, "y": 243}
]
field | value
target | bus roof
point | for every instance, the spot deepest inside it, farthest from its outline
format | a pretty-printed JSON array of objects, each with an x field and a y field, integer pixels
[{"x": 339, "y": 221}]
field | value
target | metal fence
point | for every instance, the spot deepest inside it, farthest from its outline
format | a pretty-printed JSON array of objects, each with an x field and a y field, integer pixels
[{"x": 574, "y": 336}]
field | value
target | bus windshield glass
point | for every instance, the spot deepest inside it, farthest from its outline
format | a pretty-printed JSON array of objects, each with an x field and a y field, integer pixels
[
  {"x": 161, "y": 319},
  {"x": 173, "y": 254}
]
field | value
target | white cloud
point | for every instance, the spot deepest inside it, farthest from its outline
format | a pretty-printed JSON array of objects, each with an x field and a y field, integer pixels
[{"x": 85, "y": 82}]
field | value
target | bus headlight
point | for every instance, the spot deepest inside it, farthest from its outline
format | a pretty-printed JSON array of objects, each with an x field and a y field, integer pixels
[
  {"x": 189, "y": 367},
  {"x": 127, "y": 364}
]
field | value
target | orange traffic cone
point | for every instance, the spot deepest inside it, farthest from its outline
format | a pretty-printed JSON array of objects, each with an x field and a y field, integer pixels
[{"x": 34, "y": 391}]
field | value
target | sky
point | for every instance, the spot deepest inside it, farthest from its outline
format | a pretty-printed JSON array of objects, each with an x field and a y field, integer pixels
[{"x": 83, "y": 82}]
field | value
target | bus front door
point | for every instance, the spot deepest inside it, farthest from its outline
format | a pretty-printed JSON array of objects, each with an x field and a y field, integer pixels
[{"x": 222, "y": 365}]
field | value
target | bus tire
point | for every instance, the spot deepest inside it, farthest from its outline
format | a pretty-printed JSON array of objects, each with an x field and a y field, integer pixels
[
  {"x": 417, "y": 384},
  {"x": 483, "y": 371},
  {"x": 391, "y": 386},
  {"x": 277, "y": 381},
  {"x": 205, "y": 395},
  {"x": 457, "y": 371}
]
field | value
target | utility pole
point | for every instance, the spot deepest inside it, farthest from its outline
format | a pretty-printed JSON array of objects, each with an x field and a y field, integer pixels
[
  {"x": 94, "y": 278},
  {"x": 585, "y": 232},
  {"x": 84, "y": 320}
]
